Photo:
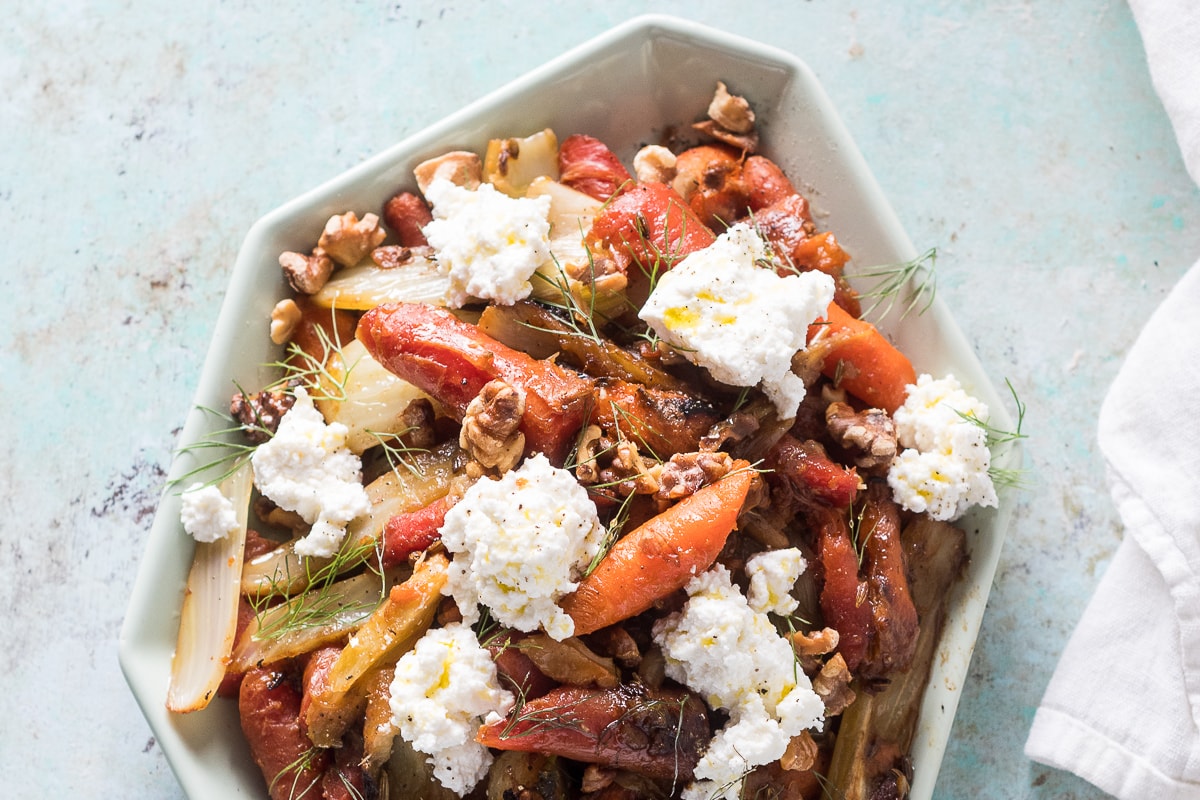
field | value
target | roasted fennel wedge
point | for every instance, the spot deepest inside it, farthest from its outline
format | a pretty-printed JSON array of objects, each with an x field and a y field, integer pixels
[
  {"x": 208, "y": 618},
  {"x": 877, "y": 730}
]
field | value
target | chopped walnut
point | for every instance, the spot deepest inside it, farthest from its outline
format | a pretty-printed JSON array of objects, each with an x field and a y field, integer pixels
[
  {"x": 801, "y": 753},
  {"x": 596, "y": 777},
  {"x": 870, "y": 434},
  {"x": 735, "y": 428},
  {"x": 629, "y": 472},
  {"x": 809, "y": 647},
  {"x": 654, "y": 164},
  {"x": 587, "y": 470},
  {"x": 490, "y": 432},
  {"x": 285, "y": 316},
  {"x": 832, "y": 685},
  {"x": 625, "y": 470},
  {"x": 417, "y": 421},
  {"x": 306, "y": 274},
  {"x": 391, "y": 256},
  {"x": 460, "y": 167},
  {"x": 730, "y": 111},
  {"x": 686, "y": 473},
  {"x": 617, "y": 643},
  {"x": 348, "y": 240},
  {"x": 816, "y": 643},
  {"x": 259, "y": 412},
  {"x": 730, "y": 120},
  {"x": 746, "y": 142}
]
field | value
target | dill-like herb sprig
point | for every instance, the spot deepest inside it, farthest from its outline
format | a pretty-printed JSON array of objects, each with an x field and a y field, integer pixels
[
  {"x": 997, "y": 437},
  {"x": 919, "y": 274},
  {"x": 580, "y": 321},
  {"x": 313, "y": 371},
  {"x": 858, "y": 538},
  {"x": 232, "y": 455},
  {"x": 316, "y": 604},
  {"x": 297, "y": 767},
  {"x": 397, "y": 453},
  {"x": 556, "y": 717}
]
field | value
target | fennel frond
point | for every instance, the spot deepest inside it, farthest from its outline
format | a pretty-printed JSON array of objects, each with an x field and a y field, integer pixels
[
  {"x": 230, "y": 458},
  {"x": 918, "y": 274},
  {"x": 317, "y": 603}
]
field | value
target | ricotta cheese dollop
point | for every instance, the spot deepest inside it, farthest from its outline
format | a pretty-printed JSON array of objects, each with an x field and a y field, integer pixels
[
  {"x": 443, "y": 690},
  {"x": 741, "y": 321},
  {"x": 521, "y": 543},
  {"x": 733, "y": 656},
  {"x": 207, "y": 515},
  {"x": 306, "y": 467},
  {"x": 489, "y": 244},
  {"x": 772, "y": 574},
  {"x": 943, "y": 469}
]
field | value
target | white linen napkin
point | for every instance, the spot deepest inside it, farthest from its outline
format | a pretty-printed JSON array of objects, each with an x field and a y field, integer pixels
[{"x": 1123, "y": 707}]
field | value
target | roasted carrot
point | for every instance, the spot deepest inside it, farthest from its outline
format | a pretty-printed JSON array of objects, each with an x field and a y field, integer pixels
[
  {"x": 861, "y": 360},
  {"x": 452, "y": 360},
  {"x": 810, "y": 471},
  {"x": 587, "y": 165},
  {"x": 659, "y": 733},
  {"x": 661, "y": 421},
  {"x": 660, "y": 556},
  {"x": 843, "y": 592},
  {"x": 651, "y": 225},
  {"x": 413, "y": 531}
]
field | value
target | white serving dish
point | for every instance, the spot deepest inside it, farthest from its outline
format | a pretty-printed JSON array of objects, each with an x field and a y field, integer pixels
[{"x": 623, "y": 87}]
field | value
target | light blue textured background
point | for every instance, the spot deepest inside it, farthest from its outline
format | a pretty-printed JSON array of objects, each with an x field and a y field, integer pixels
[{"x": 139, "y": 141}]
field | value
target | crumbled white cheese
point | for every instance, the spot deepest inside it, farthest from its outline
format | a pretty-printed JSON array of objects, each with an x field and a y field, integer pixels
[
  {"x": 207, "y": 514},
  {"x": 306, "y": 468},
  {"x": 944, "y": 468},
  {"x": 443, "y": 689},
  {"x": 739, "y": 320},
  {"x": 520, "y": 543},
  {"x": 487, "y": 242},
  {"x": 734, "y": 657},
  {"x": 773, "y": 573}
]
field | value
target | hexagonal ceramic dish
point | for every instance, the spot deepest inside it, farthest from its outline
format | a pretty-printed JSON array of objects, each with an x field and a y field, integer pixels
[{"x": 624, "y": 87}]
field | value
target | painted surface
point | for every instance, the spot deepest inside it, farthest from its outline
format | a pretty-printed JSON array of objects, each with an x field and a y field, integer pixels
[{"x": 139, "y": 141}]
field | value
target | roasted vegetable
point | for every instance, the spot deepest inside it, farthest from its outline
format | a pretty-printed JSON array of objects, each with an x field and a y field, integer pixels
[
  {"x": 660, "y": 734},
  {"x": 209, "y": 617},
  {"x": 660, "y": 556},
  {"x": 452, "y": 360}
]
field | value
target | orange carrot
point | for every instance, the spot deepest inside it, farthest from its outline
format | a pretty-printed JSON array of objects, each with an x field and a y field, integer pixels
[
  {"x": 864, "y": 363},
  {"x": 660, "y": 556}
]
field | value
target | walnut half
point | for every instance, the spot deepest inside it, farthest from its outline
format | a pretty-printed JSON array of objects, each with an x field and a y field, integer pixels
[
  {"x": 306, "y": 274},
  {"x": 490, "y": 425},
  {"x": 348, "y": 239}
]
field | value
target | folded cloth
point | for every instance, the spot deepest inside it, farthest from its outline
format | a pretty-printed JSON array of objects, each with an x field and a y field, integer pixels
[
  {"x": 1171, "y": 35},
  {"x": 1123, "y": 708}
]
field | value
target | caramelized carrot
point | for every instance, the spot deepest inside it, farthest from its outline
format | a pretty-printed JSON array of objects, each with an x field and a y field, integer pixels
[
  {"x": 660, "y": 556},
  {"x": 765, "y": 184},
  {"x": 709, "y": 176},
  {"x": 659, "y": 733},
  {"x": 452, "y": 360},
  {"x": 659, "y": 420},
  {"x": 587, "y": 165},
  {"x": 651, "y": 225},
  {"x": 413, "y": 531},
  {"x": 863, "y": 362},
  {"x": 843, "y": 592}
]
